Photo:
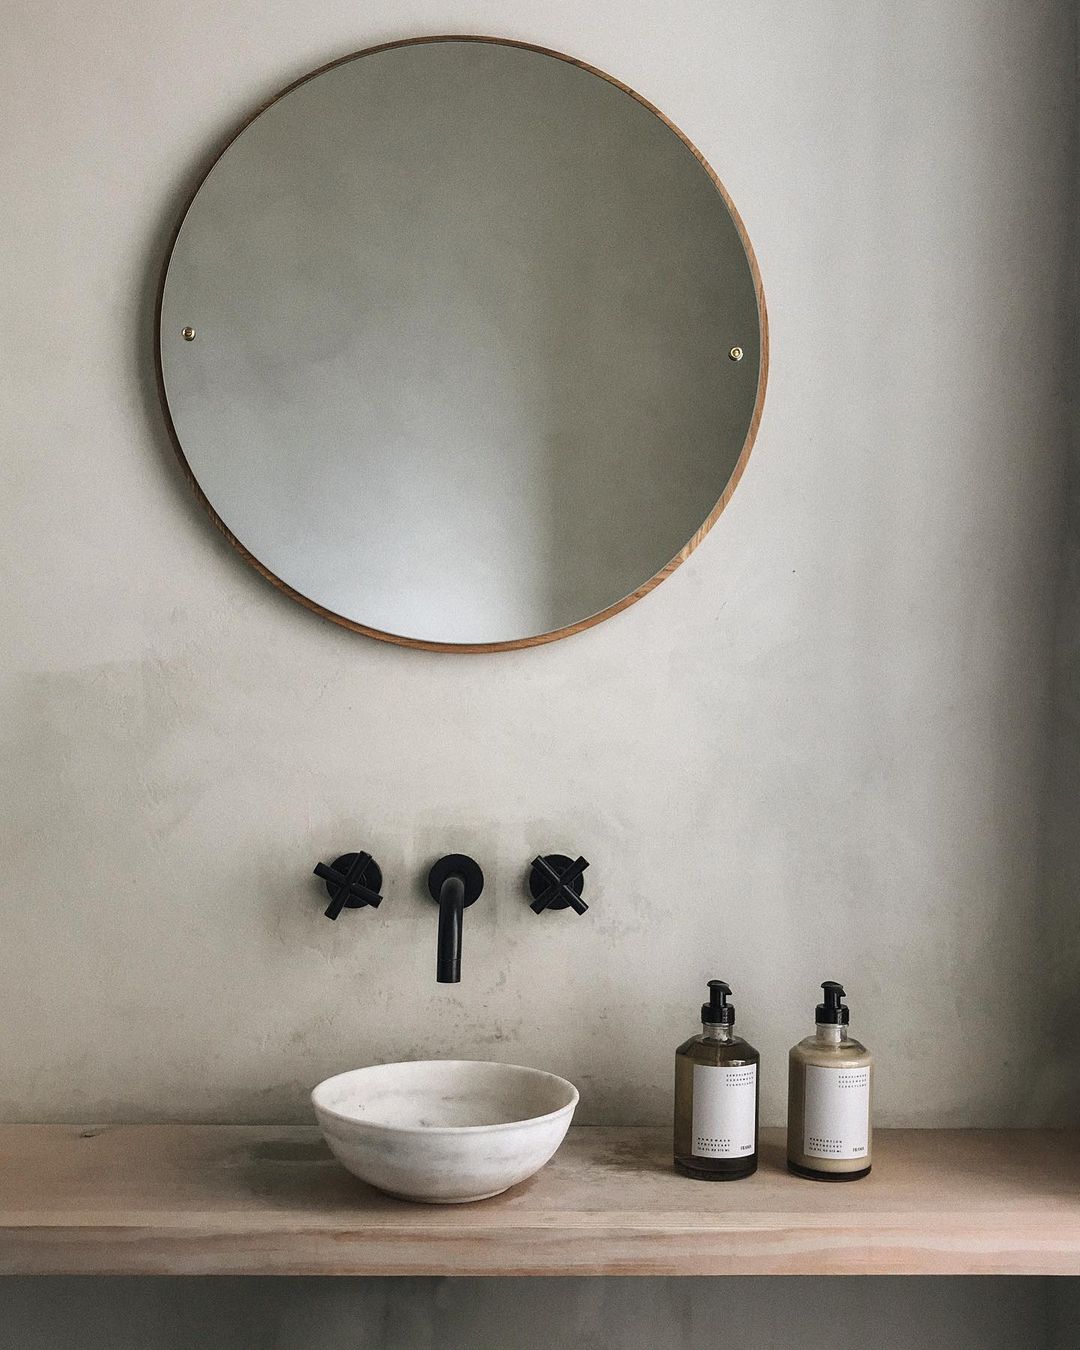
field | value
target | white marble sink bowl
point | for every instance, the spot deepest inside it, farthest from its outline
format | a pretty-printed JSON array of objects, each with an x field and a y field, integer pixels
[{"x": 444, "y": 1131}]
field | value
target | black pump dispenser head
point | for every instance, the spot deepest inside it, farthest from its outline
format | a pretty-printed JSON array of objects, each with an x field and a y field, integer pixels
[
  {"x": 718, "y": 1012},
  {"x": 832, "y": 1012}
]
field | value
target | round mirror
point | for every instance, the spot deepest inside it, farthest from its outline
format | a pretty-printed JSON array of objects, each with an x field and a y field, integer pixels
[{"x": 462, "y": 343}]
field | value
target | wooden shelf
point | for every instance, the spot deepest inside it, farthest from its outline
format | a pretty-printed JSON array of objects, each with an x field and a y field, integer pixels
[{"x": 269, "y": 1200}]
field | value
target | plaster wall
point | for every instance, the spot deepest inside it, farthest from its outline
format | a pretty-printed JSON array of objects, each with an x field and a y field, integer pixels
[{"x": 818, "y": 750}]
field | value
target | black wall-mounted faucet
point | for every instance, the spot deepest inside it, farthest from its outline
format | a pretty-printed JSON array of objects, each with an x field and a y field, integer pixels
[{"x": 454, "y": 882}]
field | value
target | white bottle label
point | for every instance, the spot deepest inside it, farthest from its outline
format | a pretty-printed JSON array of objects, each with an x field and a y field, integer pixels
[
  {"x": 836, "y": 1119},
  {"x": 725, "y": 1111}
]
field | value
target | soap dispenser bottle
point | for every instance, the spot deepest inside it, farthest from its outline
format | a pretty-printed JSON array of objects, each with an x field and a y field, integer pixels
[
  {"x": 716, "y": 1097},
  {"x": 830, "y": 1090}
]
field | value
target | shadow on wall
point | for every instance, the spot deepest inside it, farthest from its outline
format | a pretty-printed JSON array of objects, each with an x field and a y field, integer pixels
[
  {"x": 528, "y": 1314},
  {"x": 1059, "y": 1060}
]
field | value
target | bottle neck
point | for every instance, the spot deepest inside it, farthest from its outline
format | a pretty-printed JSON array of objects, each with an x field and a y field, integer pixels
[
  {"x": 713, "y": 1031},
  {"x": 831, "y": 1033}
]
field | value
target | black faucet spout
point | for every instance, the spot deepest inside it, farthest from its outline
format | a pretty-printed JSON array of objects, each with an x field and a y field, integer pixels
[
  {"x": 454, "y": 882},
  {"x": 451, "y": 913}
]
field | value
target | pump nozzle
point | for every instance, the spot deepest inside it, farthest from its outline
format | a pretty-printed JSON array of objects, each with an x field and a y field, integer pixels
[
  {"x": 832, "y": 1012},
  {"x": 718, "y": 1012}
]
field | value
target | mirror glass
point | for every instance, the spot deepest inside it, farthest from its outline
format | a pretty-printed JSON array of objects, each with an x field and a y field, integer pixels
[{"x": 462, "y": 343}]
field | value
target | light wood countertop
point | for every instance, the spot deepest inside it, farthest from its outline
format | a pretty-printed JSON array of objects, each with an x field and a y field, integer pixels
[{"x": 269, "y": 1200}]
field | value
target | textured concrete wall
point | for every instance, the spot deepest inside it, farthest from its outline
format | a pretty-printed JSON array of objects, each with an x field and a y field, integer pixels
[
  {"x": 818, "y": 750},
  {"x": 606, "y": 1314},
  {"x": 1064, "y": 1314}
]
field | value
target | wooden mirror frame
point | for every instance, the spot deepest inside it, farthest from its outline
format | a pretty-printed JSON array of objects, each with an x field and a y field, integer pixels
[{"x": 699, "y": 534}]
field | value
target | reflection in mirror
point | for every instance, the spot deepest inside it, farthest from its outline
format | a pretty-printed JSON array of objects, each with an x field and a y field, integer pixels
[{"x": 462, "y": 343}]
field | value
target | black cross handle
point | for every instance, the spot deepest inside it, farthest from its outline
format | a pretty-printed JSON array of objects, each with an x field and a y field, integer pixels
[
  {"x": 352, "y": 881},
  {"x": 556, "y": 882}
]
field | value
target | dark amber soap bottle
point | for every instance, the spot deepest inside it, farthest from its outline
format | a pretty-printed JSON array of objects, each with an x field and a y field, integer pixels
[{"x": 716, "y": 1097}]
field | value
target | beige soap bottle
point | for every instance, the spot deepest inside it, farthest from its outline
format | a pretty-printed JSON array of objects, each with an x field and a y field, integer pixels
[
  {"x": 716, "y": 1097},
  {"x": 830, "y": 1092}
]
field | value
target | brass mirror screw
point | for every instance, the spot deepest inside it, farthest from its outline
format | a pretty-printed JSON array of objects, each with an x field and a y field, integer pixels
[
  {"x": 188, "y": 334},
  {"x": 736, "y": 353}
]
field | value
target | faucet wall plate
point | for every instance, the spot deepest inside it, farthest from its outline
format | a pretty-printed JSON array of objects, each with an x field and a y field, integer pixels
[
  {"x": 556, "y": 882},
  {"x": 352, "y": 881},
  {"x": 456, "y": 864}
]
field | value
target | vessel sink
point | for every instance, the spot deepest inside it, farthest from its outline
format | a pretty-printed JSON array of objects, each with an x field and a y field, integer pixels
[{"x": 444, "y": 1131}]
